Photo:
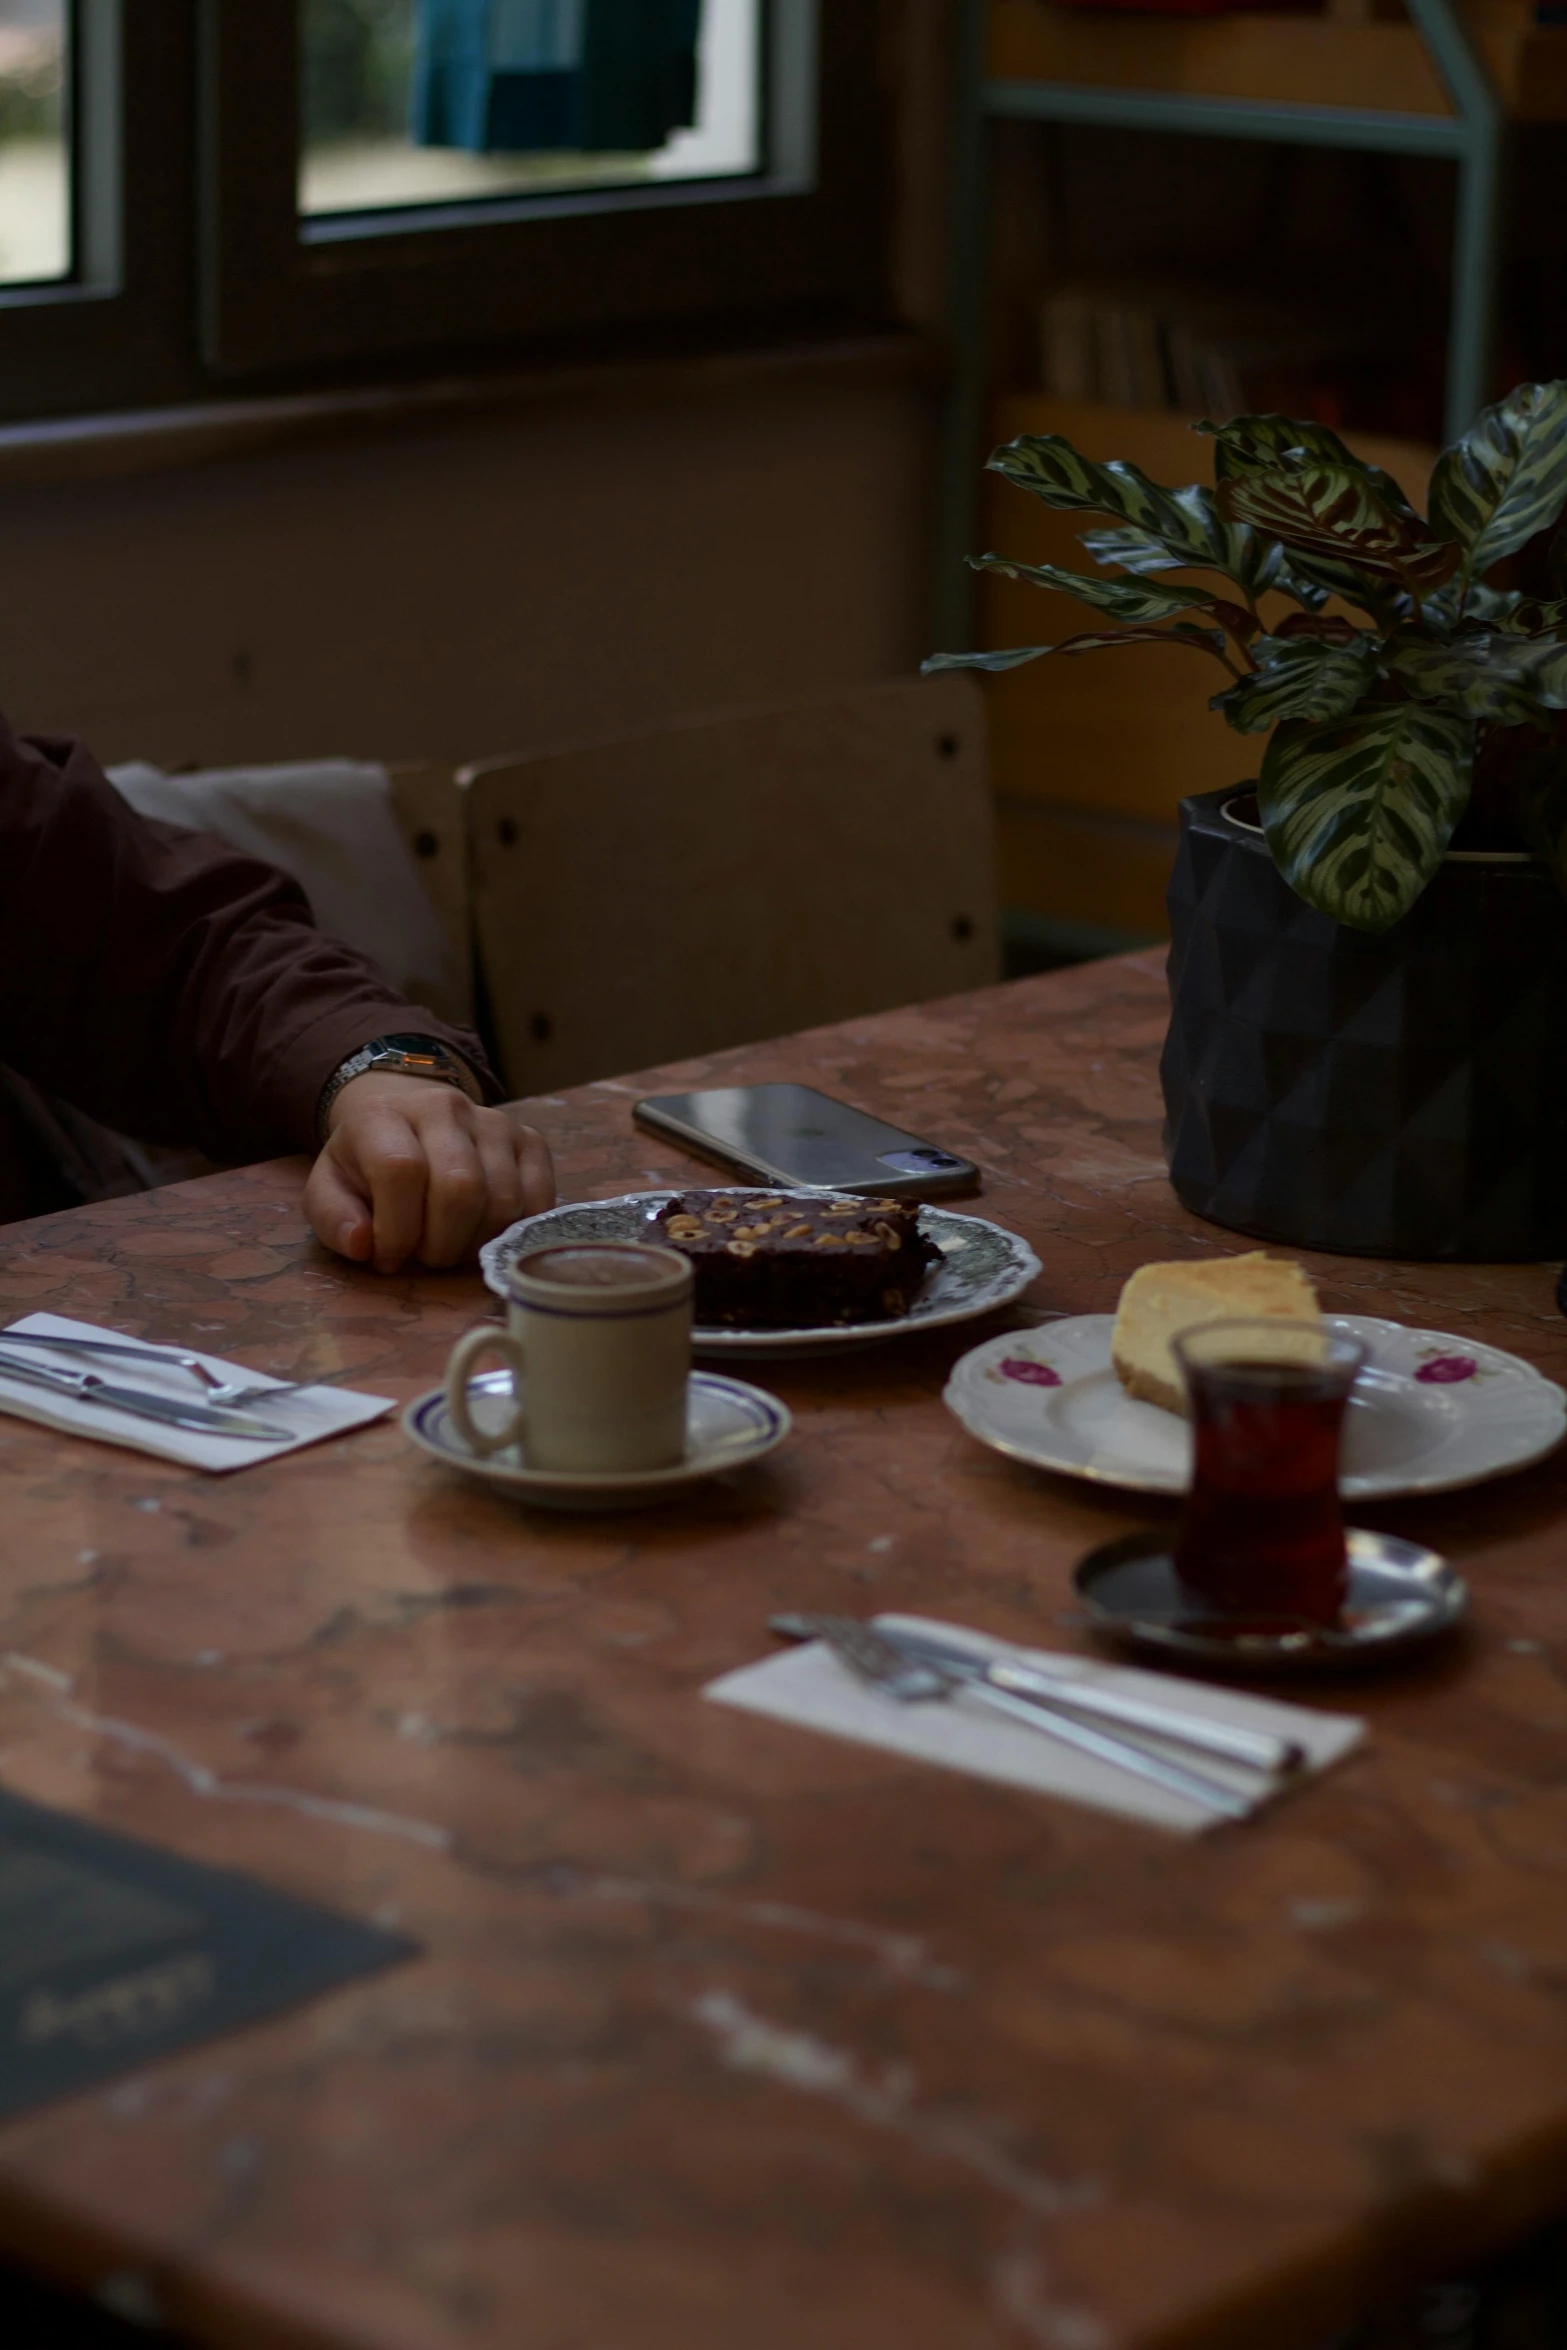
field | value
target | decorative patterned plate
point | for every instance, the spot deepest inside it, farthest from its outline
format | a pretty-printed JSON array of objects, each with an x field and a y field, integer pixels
[
  {"x": 728, "y": 1425},
  {"x": 1429, "y": 1411},
  {"x": 981, "y": 1268}
]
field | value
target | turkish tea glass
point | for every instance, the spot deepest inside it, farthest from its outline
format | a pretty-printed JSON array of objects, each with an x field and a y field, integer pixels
[{"x": 1263, "y": 1531}]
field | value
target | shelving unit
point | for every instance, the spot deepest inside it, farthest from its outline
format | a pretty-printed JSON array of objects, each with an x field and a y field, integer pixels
[
  {"x": 1443, "y": 84},
  {"x": 1090, "y": 759}
]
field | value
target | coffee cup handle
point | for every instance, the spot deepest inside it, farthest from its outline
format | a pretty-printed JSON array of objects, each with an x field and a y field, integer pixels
[{"x": 459, "y": 1371}]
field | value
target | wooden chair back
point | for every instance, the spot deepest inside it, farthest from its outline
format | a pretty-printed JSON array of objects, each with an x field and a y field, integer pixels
[
  {"x": 668, "y": 894},
  {"x": 431, "y": 810}
]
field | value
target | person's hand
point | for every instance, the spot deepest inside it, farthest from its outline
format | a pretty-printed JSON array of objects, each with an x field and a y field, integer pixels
[{"x": 412, "y": 1169}]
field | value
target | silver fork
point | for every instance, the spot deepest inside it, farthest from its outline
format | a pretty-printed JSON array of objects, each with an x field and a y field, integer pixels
[
  {"x": 909, "y": 1680},
  {"x": 237, "y": 1391},
  {"x": 218, "y": 1390}
]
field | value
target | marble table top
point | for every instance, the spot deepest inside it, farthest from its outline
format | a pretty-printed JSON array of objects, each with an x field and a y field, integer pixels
[{"x": 730, "y": 2037}]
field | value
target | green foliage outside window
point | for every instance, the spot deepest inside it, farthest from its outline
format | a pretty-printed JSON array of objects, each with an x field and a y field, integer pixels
[
  {"x": 358, "y": 56},
  {"x": 32, "y": 94}
]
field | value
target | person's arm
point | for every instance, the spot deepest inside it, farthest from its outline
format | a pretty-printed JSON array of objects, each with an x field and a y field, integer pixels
[{"x": 181, "y": 993}]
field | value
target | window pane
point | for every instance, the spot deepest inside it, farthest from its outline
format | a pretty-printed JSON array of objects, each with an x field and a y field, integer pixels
[
  {"x": 413, "y": 102},
  {"x": 35, "y": 170}
]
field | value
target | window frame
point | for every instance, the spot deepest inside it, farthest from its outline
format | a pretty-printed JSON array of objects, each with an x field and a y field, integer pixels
[
  {"x": 803, "y": 244},
  {"x": 118, "y": 328}
]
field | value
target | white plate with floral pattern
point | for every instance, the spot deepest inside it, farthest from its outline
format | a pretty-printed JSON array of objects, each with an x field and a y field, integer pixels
[
  {"x": 1429, "y": 1411},
  {"x": 982, "y": 1267}
]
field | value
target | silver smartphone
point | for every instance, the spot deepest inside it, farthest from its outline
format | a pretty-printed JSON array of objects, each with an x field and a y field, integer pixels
[{"x": 793, "y": 1134}]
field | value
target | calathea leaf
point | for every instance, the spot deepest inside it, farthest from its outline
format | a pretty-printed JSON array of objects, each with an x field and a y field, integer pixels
[
  {"x": 1462, "y": 604},
  {"x": 1185, "y": 522},
  {"x": 1331, "y": 627},
  {"x": 1183, "y": 632},
  {"x": 1506, "y": 479},
  {"x": 1265, "y": 444},
  {"x": 1526, "y": 616},
  {"x": 1257, "y": 444},
  {"x": 1257, "y": 562},
  {"x": 1332, "y": 512},
  {"x": 1047, "y": 465},
  {"x": 1311, "y": 579},
  {"x": 1131, "y": 550},
  {"x": 1013, "y": 658},
  {"x": 1202, "y": 640},
  {"x": 1299, "y": 677},
  {"x": 1230, "y": 547},
  {"x": 1548, "y": 677},
  {"x": 1291, "y": 580},
  {"x": 1469, "y": 599},
  {"x": 1502, "y": 678},
  {"x": 1123, "y": 599},
  {"x": 1359, "y": 814}
]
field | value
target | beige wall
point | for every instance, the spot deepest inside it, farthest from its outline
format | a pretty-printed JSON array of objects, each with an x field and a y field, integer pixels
[{"x": 493, "y": 577}]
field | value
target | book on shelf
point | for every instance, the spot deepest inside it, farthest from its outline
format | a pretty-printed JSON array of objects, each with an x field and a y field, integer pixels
[{"x": 1194, "y": 352}]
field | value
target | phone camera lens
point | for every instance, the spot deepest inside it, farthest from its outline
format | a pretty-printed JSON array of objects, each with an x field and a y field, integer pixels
[{"x": 919, "y": 1162}]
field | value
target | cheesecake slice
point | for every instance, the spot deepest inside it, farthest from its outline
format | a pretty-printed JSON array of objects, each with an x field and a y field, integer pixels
[{"x": 1160, "y": 1301}]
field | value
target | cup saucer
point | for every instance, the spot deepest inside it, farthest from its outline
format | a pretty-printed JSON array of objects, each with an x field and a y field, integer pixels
[
  {"x": 1399, "y": 1594},
  {"x": 728, "y": 1425}
]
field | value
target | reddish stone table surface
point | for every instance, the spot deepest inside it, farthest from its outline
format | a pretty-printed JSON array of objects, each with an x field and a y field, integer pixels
[{"x": 730, "y": 2037}]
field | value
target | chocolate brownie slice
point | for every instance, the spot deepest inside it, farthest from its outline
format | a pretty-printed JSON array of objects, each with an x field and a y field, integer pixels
[{"x": 791, "y": 1261}]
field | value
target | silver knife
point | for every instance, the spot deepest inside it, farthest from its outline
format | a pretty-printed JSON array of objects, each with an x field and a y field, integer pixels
[
  {"x": 909, "y": 1679},
  {"x": 123, "y": 1350},
  {"x": 87, "y": 1387},
  {"x": 1255, "y": 1750}
]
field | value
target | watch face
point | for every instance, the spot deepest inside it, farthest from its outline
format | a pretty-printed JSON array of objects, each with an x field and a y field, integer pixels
[
  {"x": 418, "y": 1048},
  {"x": 420, "y": 1056},
  {"x": 415, "y": 1056}
]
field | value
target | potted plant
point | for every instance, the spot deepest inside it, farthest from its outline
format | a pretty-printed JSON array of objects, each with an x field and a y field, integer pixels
[{"x": 1368, "y": 967}]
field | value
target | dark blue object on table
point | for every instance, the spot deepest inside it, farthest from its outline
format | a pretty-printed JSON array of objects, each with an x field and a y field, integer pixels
[{"x": 113, "y": 1952}]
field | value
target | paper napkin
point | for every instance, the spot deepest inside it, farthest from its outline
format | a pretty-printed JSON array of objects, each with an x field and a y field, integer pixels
[
  {"x": 315, "y": 1412},
  {"x": 810, "y": 1686}
]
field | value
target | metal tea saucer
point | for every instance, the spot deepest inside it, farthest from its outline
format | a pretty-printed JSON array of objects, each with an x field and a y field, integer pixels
[{"x": 1399, "y": 1594}]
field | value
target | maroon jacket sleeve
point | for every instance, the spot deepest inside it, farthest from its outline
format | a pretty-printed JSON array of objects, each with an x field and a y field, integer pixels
[{"x": 163, "y": 983}]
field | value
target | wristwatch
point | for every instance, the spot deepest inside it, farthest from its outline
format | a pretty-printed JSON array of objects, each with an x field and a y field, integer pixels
[{"x": 399, "y": 1056}]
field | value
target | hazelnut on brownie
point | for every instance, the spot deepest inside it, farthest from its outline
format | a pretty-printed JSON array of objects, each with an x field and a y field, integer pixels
[{"x": 783, "y": 1261}]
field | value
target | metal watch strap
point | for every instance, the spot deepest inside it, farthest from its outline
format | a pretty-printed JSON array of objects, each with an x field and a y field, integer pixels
[{"x": 425, "y": 1057}]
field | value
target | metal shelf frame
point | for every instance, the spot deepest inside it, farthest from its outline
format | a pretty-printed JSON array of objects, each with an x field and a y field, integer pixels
[{"x": 1471, "y": 137}]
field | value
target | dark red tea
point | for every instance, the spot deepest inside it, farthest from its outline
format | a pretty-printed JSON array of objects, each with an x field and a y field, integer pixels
[{"x": 1263, "y": 1531}]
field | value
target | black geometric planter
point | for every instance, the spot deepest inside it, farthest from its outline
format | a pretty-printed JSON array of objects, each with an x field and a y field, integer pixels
[{"x": 1400, "y": 1096}]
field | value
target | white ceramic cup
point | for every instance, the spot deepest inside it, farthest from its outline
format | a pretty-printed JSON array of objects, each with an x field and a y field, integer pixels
[{"x": 598, "y": 1341}]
